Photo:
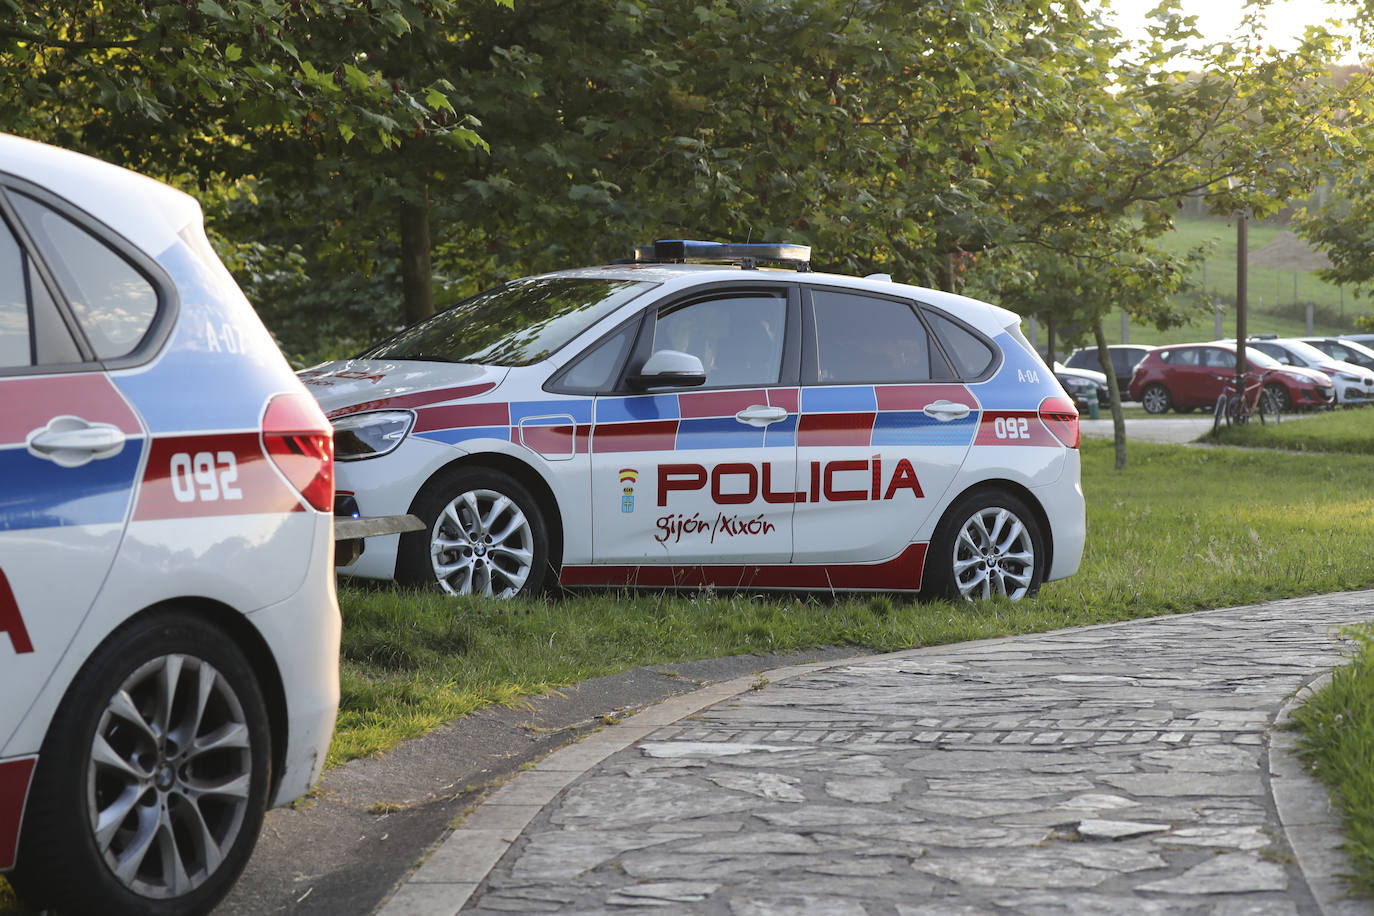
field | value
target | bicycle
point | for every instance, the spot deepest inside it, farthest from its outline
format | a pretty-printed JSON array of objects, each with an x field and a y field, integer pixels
[{"x": 1237, "y": 410}]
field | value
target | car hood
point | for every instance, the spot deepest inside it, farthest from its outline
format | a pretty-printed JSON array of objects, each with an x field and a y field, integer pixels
[
  {"x": 355, "y": 385},
  {"x": 1345, "y": 368},
  {"x": 1307, "y": 375}
]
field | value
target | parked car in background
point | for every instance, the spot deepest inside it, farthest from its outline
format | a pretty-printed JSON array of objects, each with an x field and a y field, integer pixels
[
  {"x": 1363, "y": 339},
  {"x": 673, "y": 423},
  {"x": 1085, "y": 386},
  {"x": 169, "y": 633},
  {"x": 1350, "y": 351},
  {"x": 1125, "y": 357},
  {"x": 1184, "y": 377},
  {"x": 1353, "y": 385}
]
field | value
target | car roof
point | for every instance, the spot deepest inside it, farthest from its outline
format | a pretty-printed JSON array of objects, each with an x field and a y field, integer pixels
[{"x": 143, "y": 210}]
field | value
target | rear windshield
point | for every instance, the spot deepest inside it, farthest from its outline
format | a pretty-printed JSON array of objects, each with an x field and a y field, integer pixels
[{"x": 516, "y": 324}]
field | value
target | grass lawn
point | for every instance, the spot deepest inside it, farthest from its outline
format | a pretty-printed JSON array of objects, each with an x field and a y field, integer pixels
[
  {"x": 1168, "y": 535},
  {"x": 1337, "y": 742},
  {"x": 1348, "y": 431}
]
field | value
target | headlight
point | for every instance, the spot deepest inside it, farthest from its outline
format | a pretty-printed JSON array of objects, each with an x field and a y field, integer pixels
[
  {"x": 1352, "y": 379},
  {"x": 368, "y": 435}
]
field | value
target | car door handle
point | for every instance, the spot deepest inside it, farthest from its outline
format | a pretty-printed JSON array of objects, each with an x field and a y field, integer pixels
[
  {"x": 70, "y": 442},
  {"x": 946, "y": 410},
  {"x": 761, "y": 414}
]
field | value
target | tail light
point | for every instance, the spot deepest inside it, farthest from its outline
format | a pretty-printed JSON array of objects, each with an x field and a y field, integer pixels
[
  {"x": 300, "y": 442},
  {"x": 1061, "y": 418}
]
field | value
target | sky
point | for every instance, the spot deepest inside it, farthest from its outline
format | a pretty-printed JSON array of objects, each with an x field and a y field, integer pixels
[{"x": 1218, "y": 19}]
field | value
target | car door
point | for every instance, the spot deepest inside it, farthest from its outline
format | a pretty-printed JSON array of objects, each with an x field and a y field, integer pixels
[
  {"x": 883, "y": 428},
  {"x": 70, "y": 450},
  {"x": 704, "y": 475}
]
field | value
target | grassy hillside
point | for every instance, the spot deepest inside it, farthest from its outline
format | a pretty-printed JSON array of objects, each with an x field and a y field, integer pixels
[{"x": 1276, "y": 304}]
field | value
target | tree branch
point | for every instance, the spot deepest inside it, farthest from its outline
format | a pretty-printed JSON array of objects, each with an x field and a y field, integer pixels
[{"x": 19, "y": 35}]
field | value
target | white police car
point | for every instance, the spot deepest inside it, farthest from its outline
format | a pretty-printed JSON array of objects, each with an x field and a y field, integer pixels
[
  {"x": 169, "y": 631},
  {"x": 670, "y": 424}
]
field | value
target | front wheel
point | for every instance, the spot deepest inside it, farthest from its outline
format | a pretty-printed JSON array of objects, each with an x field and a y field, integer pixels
[
  {"x": 989, "y": 543},
  {"x": 1156, "y": 399},
  {"x": 1219, "y": 413},
  {"x": 152, "y": 782},
  {"x": 484, "y": 535}
]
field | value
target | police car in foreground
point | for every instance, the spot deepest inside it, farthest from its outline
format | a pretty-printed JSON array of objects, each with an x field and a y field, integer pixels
[
  {"x": 169, "y": 632},
  {"x": 672, "y": 424}
]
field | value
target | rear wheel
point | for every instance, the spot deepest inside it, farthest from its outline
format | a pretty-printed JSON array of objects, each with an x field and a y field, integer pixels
[
  {"x": 1156, "y": 399},
  {"x": 1268, "y": 410},
  {"x": 1279, "y": 395},
  {"x": 989, "y": 543},
  {"x": 484, "y": 535},
  {"x": 152, "y": 781}
]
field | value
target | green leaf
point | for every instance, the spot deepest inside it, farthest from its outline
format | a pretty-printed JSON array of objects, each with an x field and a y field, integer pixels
[
  {"x": 211, "y": 8},
  {"x": 233, "y": 53}
]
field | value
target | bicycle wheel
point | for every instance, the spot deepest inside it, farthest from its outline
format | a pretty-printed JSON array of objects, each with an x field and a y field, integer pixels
[
  {"x": 1219, "y": 412},
  {"x": 1268, "y": 410}
]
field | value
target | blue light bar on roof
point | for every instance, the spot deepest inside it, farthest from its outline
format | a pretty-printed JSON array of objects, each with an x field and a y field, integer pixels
[{"x": 684, "y": 250}]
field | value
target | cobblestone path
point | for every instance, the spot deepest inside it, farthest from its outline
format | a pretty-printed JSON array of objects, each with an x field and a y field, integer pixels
[{"x": 1114, "y": 769}]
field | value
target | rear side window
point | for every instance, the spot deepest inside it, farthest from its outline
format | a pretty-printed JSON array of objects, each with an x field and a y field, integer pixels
[
  {"x": 972, "y": 356},
  {"x": 1220, "y": 359},
  {"x": 112, "y": 301},
  {"x": 862, "y": 339},
  {"x": 32, "y": 332},
  {"x": 16, "y": 345}
]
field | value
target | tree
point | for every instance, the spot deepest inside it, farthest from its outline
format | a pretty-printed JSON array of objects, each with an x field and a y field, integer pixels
[
  {"x": 209, "y": 91},
  {"x": 1251, "y": 129}
]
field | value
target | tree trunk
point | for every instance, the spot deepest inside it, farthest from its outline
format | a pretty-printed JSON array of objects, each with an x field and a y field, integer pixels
[
  {"x": 417, "y": 273},
  {"x": 1104, "y": 359}
]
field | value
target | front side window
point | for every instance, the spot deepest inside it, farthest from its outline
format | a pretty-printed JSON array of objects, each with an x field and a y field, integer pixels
[
  {"x": 738, "y": 338},
  {"x": 112, "y": 301},
  {"x": 518, "y": 324},
  {"x": 862, "y": 339},
  {"x": 595, "y": 371}
]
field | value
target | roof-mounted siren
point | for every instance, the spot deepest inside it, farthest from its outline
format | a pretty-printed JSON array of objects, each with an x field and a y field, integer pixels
[{"x": 747, "y": 256}]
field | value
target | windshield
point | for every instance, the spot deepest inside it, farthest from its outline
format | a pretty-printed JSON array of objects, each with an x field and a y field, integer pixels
[
  {"x": 1260, "y": 359},
  {"x": 1308, "y": 352},
  {"x": 516, "y": 324}
]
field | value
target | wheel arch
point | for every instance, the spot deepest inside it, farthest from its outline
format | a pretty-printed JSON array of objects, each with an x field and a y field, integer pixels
[
  {"x": 1021, "y": 492},
  {"x": 528, "y": 477},
  {"x": 248, "y": 640}
]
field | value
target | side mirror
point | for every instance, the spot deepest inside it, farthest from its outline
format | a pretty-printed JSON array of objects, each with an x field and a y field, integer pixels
[{"x": 670, "y": 369}]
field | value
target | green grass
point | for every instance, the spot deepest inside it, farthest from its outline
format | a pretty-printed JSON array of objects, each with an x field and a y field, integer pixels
[
  {"x": 1340, "y": 431},
  {"x": 1168, "y": 535},
  {"x": 1273, "y": 306},
  {"x": 1337, "y": 742}
]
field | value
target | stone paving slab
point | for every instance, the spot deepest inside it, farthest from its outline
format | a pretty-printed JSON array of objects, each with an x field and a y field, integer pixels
[{"x": 1125, "y": 768}]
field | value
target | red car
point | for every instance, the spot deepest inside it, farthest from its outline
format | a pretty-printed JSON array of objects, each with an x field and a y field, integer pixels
[{"x": 1185, "y": 376}]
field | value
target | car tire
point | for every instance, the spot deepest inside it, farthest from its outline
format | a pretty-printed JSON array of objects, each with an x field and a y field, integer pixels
[
  {"x": 988, "y": 543},
  {"x": 1279, "y": 395},
  {"x": 147, "y": 798},
  {"x": 484, "y": 534},
  {"x": 1156, "y": 399}
]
